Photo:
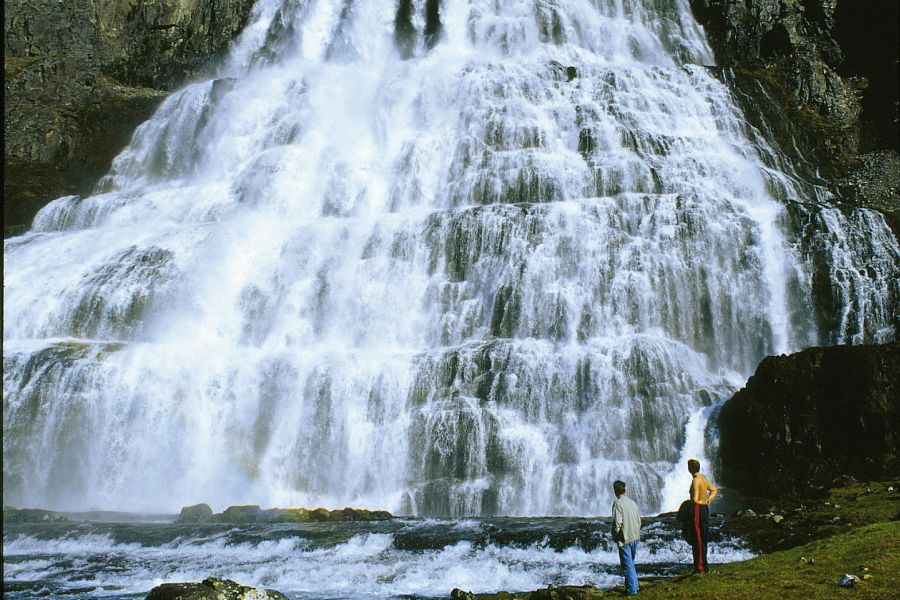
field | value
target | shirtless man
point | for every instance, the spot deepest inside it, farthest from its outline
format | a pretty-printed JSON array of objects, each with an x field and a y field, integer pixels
[{"x": 702, "y": 494}]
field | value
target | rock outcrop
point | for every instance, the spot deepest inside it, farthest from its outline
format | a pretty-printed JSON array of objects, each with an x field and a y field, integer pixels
[
  {"x": 252, "y": 513},
  {"x": 212, "y": 588},
  {"x": 804, "y": 420},
  {"x": 830, "y": 69},
  {"x": 80, "y": 76},
  {"x": 197, "y": 513},
  {"x": 31, "y": 515}
]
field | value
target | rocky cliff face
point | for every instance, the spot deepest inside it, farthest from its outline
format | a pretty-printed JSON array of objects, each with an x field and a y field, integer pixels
[
  {"x": 821, "y": 76},
  {"x": 805, "y": 419},
  {"x": 80, "y": 76}
]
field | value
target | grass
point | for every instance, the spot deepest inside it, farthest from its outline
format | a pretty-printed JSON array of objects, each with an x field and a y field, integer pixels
[
  {"x": 811, "y": 571},
  {"x": 853, "y": 529},
  {"x": 840, "y": 510}
]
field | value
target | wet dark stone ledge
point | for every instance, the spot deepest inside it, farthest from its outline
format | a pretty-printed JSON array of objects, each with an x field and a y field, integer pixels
[
  {"x": 31, "y": 515},
  {"x": 252, "y": 513},
  {"x": 212, "y": 588}
]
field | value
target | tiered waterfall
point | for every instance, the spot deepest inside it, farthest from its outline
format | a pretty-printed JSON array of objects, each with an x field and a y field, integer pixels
[{"x": 443, "y": 257}]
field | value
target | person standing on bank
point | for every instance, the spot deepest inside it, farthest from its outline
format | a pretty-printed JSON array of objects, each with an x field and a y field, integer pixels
[
  {"x": 702, "y": 494},
  {"x": 626, "y": 532}
]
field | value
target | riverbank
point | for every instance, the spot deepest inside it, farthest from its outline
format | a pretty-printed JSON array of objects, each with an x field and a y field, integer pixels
[
  {"x": 807, "y": 548},
  {"x": 813, "y": 571}
]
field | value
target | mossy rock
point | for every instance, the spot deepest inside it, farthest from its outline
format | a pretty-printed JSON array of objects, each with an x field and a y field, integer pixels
[
  {"x": 212, "y": 588},
  {"x": 197, "y": 513}
]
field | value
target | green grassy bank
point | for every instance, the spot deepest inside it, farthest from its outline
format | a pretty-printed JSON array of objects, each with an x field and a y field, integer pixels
[
  {"x": 811, "y": 571},
  {"x": 852, "y": 529}
]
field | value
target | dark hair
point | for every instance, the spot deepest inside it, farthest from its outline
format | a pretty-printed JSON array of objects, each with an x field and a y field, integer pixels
[
  {"x": 619, "y": 487},
  {"x": 694, "y": 465}
]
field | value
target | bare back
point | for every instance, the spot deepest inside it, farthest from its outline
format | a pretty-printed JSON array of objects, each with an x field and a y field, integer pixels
[{"x": 702, "y": 491}]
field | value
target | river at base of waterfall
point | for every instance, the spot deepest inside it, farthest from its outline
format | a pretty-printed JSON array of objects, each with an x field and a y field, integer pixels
[{"x": 401, "y": 558}]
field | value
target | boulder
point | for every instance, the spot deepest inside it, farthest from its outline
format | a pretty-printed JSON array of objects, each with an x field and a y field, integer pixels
[
  {"x": 201, "y": 513},
  {"x": 809, "y": 419},
  {"x": 320, "y": 514},
  {"x": 286, "y": 515},
  {"x": 212, "y": 588},
  {"x": 197, "y": 513},
  {"x": 248, "y": 513}
]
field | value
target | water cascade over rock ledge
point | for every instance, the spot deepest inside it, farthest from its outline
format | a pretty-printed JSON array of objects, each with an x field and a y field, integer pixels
[{"x": 447, "y": 278}]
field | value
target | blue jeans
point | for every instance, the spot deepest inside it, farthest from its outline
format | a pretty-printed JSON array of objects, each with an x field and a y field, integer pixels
[{"x": 626, "y": 559}]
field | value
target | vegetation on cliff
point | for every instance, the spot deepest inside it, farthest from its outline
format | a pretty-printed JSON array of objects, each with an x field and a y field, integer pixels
[{"x": 820, "y": 77}]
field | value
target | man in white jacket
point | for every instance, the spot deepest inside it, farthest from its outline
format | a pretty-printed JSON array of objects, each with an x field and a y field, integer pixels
[{"x": 626, "y": 532}]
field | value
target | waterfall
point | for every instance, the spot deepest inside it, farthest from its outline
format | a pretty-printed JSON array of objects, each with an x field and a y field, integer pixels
[{"x": 445, "y": 258}]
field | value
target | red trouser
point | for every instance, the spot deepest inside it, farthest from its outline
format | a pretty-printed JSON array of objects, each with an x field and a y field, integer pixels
[{"x": 701, "y": 532}]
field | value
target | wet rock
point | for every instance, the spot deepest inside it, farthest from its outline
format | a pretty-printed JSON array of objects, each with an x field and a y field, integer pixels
[
  {"x": 458, "y": 594},
  {"x": 212, "y": 588},
  {"x": 31, "y": 515},
  {"x": 248, "y": 513},
  {"x": 198, "y": 513},
  {"x": 806, "y": 419},
  {"x": 80, "y": 76},
  {"x": 286, "y": 515},
  {"x": 820, "y": 76},
  {"x": 777, "y": 519},
  {"x": 252, "y": 513},
  {"x": 567, "y": 592}
]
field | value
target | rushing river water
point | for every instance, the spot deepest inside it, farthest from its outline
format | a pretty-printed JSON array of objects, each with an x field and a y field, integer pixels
[
  {"x": 420, "y": 558},
  {"x": 448, "y": 258}
]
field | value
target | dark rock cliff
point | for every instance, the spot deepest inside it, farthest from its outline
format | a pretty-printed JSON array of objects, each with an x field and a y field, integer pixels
[
  {"x": 80, "y": 76},
  {"x": 821, "y": 76},
  {"x": 805, "y": 419}
]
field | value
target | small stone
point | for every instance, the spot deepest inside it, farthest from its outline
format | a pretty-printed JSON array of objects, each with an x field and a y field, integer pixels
[
  {"x": 867, "y": 577},
  {"x": 777, "y": 519}
]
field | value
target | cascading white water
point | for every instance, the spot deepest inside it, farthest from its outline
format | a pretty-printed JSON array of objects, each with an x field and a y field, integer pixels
[{"x": 484, "y": 270}]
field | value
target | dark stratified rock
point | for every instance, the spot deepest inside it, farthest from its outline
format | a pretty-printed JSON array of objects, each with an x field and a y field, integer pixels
[
  {"x": 80, "y": 76},
  {"x": 807, "y": 419},
  {"x": 198, "y": 513},
  {"x": 791, "y": 53},
  {"x": 829, "y": 69},
  {"x": 212, "y": 588}
]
